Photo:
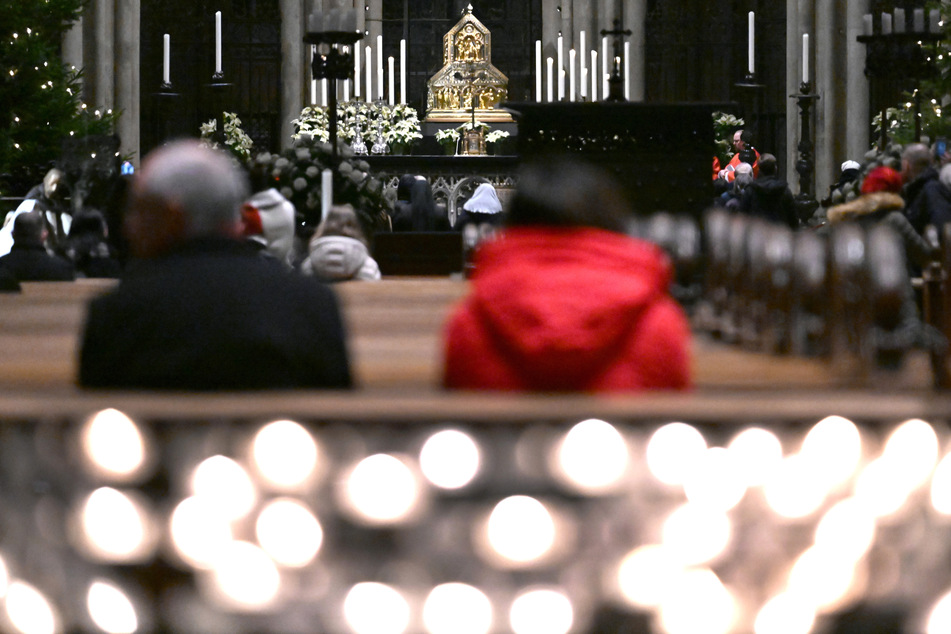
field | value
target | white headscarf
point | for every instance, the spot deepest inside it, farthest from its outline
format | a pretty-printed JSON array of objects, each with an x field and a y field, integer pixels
[{"x": 484, "y": 201}]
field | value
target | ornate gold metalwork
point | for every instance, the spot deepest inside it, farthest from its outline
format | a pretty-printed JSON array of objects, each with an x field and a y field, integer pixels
[{"x": 467, "y": 74}]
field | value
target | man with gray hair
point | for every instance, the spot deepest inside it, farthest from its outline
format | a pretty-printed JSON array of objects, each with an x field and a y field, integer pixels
[{"x": 198, "y": 309}]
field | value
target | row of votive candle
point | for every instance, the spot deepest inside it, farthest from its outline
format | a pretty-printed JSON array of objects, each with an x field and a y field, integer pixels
[
  {"x": 368, "y": 81},
  {"x": 897, "y": 22},
  {"x": 570, "y": 81}
]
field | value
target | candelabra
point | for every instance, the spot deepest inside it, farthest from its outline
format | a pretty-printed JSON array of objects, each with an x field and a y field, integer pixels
[
  {"x": 333, "y": 60},
  {"x": 806, "y": 202},
  {"x": 615, "y": 81}
]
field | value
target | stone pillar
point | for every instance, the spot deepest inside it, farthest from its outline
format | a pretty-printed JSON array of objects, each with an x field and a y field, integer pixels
[
  {"x": 858, "y": 121},
  {"x": 635, "y": 18},
  {"x": 73, "y": 45},
  {"x": 103, "y": 91},
  {"x": 294, "y": 70},
  {"x": 827, "y": 82},
  {"x": 128, "y": 75}
]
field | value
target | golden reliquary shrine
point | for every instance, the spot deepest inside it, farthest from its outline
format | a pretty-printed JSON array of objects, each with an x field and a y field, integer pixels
[{"x": 467, "y": 75}]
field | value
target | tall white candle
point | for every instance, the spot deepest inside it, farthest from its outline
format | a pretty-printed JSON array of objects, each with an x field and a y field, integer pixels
[
  {"x": 899, "y": 20},
  {"x": 326, "y": 193},
  {"x": 886, "y": 24},
  {"x": 572, "y": 93},
  {"x": 324, "y": 101},
  {"x": 582, "y": 52},
  {"x": 918, "y": 18},
  {"x": 392, "y": 78},
  {"x": 379, "y": 67},
  {"x": 560, "y": 67},
  {"x": 594, "y": 75},
  {"x": 627, "y": 70},
  {"x": 752, "y": 30},
  {"x": 867, "y": 21},
  {"x": 805, "y": 58},
  {"x": 583, "y": 82},
  {"x": 165, "y": 60},
  {"x": 357, "y": 66},
  {"x": 369, "y": 74},
  {"x": 538, "y": 71},
  {"x": 605, "y": 69},
  {"x": 346, "y": 90},
  {"x": 402, "y": 71},
  {"x": 217, "y": 42},
  {"x": 313, "y": 82},
  {"x": 551, "y": 80}
]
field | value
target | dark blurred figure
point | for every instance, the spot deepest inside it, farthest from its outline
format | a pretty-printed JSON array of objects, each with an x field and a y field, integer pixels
[
  {"x": 29, "y": 260},
  {"x": 769, "y": 197},
  {"x": 8, "y": 282},
  {"x": 88, "y": 247},
  {"x": 917, "y": 170},
  {"x": 932, "y": 206},
  {"x": 200, "y": 309},
  {"x": 422, "y": 213},
  {"x": 563, "y": 300}
]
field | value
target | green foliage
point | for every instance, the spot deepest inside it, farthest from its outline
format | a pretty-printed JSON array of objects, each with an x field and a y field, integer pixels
[
  {"x": 296, "y": 173},
  {"x": 724, "y": 125},
  {"x": 41, "y": 96},
  {"x": 237, "y": 141}
]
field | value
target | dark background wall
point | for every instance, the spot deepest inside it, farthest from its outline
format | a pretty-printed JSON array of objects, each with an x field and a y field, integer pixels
[{"x": 695, "y": 51}]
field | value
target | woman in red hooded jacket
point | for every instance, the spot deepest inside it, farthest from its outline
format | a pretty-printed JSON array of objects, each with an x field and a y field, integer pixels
[{"x": 564, "y": 300}]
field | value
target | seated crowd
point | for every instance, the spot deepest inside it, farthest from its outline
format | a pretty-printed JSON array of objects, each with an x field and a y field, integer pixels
[{"x": 218, "y": 292}]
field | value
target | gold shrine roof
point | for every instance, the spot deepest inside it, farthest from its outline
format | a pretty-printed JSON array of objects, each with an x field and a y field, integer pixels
[{"x": 467, "y": 72}]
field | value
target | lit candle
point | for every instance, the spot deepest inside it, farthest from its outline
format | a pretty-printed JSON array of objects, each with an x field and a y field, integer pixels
[
  {"x": 402, "y": 71},
  {"x": 867, "y": 20},
  {"x": 918, "y": 17},
  {"x": 217, "y": 42},
  {"x": 369, "y": 74},
  {"x": 604, "y": 67},
  {"x": 934, "y": 20},
  {"x": 392, "y": 69},
  {"x": 627, "y": 70},
  {"x": 313, "y": 82},
  {"x": 538, "y": 71},
  {"x": 379, "y": 67},
  {"x": 326, "y": 193},
  {"x": 571, "y": 75},
  {"x": 561, "y": 67},
  {"x": 165, "y": 60},
  {"x": 581, "y": 54},
  {"x": 594, "y": 75},
  {"x": 356, "y": 72},
  {"x": 805, "y": 58},
  {"x": 899, "y": 20},
  {"x": 551, "y": 78},
  {"x": 324, "y": 101},
  {"x": 584, "y": 82},
  {"x": 346, "y": 89},
  {"x": 886, "y": 24},
  {"x": 752, "y": 29}
]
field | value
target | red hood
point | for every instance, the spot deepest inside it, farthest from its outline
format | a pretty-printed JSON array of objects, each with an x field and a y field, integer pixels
[{"x": 565, "y": 298}]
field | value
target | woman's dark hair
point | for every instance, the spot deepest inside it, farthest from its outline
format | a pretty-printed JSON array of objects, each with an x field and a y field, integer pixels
[
  {"x": 404, "y": 186},
  {"x": 568, "y": 192},
  {"x": 423, "y": 206}
]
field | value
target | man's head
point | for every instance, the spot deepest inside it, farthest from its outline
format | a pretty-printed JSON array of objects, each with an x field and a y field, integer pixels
[
  {"x": 29, "y": 228},
  {"x": 184, "y": 190},
  {"x": 742, "y": 139},
  {"x": 768, "y": 165},
  {"x": 915, "y": 159}
]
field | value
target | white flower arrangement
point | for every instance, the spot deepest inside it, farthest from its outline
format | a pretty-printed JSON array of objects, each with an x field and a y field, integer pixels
[
  {"x": 399, "y": 124},
  {"x": 236, "y": 140},
  {"x": 495, "y": 136},
  {"x": 447, "y": 136}
]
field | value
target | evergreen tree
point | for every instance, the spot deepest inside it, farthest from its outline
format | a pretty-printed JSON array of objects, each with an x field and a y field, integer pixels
[{"x": 41, "y": 96}]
